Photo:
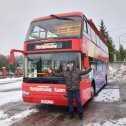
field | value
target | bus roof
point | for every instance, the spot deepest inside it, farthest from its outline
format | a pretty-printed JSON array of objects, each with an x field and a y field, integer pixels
[{"x": 60, "y": 15}]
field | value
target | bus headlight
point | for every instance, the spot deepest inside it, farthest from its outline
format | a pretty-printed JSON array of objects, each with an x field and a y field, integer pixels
[{"x": 25, "y": 93}]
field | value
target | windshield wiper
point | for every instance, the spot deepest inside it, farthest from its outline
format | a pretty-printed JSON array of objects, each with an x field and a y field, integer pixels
[{"x": 61, "y": 18}]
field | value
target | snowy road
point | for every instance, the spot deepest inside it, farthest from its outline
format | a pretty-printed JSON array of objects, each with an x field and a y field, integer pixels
[
  {"x": 12, "y": 108},
  {"x": 108, "y": 108}
]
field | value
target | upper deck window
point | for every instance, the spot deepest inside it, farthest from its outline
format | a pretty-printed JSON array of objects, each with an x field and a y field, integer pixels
[
  {"x": 93, "y": 35},
  {"x": 55, "y": 28}
]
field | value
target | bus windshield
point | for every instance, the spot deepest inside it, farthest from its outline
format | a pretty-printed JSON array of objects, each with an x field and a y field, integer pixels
[
  {"x": 55, "y": 28},
  {"x": 38, "y": 64}
]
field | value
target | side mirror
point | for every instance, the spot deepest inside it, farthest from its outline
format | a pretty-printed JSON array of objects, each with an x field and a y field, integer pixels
[
  {"x": 12, "y": 54},
  {"x": 86, "y": 62},
  {"x": 11, "y": 57}
]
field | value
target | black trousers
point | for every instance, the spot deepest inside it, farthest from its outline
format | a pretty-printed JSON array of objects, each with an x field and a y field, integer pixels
[{"x": 71, "y": 94}]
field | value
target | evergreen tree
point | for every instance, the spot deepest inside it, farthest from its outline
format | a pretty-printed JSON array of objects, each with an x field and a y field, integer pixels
[
  {"x": 109, "y": 40},
  {"x": 103, "y": 29},
  {"x": 122, "y": 53},
  {"x": 117, "y": 55}
]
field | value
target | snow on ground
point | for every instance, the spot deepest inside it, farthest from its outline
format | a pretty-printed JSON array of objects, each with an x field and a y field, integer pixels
[
  {"x": 10, "y": 86},
  {"x": 108, "y": 95},
  {"x": 9, "y": 80},
  {"x": 2, "y": 115},
  {"x": 13, "y": 96},
  {"x": 16, "y": 117},
  {"x": 117, "y": 122}
]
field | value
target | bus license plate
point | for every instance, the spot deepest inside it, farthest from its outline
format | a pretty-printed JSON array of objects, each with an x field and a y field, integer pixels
[{"x": 47, "y": 101}]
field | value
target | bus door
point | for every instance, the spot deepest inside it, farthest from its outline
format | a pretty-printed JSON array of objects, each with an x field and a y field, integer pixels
[{"x": 85, "y": 82}]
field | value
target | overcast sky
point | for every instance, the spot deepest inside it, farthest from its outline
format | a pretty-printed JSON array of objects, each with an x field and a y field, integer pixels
[{"x": 15, "y": 16}]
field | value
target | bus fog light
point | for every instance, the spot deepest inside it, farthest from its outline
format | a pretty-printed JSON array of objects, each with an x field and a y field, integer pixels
[{"x": 25, "y": 93}]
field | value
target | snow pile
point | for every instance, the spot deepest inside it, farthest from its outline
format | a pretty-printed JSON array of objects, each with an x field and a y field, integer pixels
[
  {"x": 117, "y": 75},
  {"x": 111, "y": 71}
]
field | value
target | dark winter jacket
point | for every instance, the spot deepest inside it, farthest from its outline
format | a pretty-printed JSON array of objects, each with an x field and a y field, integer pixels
[{"x": 72, "y": 78}]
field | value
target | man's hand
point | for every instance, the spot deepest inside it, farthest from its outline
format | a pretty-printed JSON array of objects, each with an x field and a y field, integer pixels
[
  {"x": 49, "y": 70},
  {"x": 92, "y": 66}
]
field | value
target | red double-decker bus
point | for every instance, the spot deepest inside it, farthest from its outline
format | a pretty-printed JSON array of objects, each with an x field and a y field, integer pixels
[{"x": 51, "y": 42}]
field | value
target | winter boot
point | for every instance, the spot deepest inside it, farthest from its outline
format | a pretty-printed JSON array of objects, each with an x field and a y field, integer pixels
[
  {"x": 71, "y": 115},
  {"x": 81, "y": 115}
]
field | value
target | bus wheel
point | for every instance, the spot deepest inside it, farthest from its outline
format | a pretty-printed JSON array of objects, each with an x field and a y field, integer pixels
[
  {"x": 106, "y": 80},
  {"x": 92, "y": 90}
]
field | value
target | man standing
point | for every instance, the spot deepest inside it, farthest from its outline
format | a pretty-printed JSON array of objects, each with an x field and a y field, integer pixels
[{"x": 72, "y": 79}]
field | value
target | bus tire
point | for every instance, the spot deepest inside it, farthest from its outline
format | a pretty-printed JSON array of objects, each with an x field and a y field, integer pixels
[
  {"x": 106, "y": 80},
  {"x": 93, "y": 89}
]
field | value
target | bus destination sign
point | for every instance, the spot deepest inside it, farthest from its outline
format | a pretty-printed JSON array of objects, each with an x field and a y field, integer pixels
[{"x": 49, "y": 45}]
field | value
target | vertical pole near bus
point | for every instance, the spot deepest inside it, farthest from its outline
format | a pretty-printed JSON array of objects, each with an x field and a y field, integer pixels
[{"x": 119, "y": 49}]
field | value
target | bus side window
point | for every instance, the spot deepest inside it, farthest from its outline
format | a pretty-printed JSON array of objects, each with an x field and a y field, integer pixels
[
  {"x": 82, "y": 63},
  {"x": 104, "y": 66},
  {"x": 85, "y": 26},
  {"x": 99, "y": 66}
]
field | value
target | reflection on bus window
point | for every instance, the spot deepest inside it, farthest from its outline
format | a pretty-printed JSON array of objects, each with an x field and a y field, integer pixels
[
  {"x": 99, "y": 66},
  {"x": 54, "y": 28}
]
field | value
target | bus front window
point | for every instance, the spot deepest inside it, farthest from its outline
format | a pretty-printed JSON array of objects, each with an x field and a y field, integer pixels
[{"x": 38, "y": 64}]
